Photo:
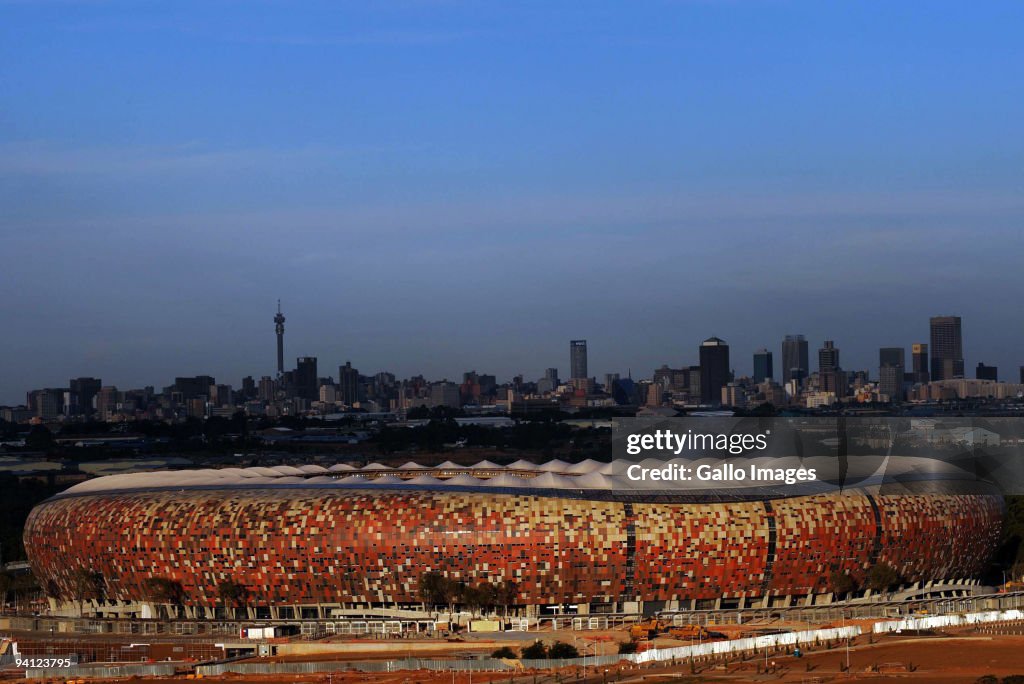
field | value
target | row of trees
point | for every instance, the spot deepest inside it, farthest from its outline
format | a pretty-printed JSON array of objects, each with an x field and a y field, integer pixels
[
  {"x": 90, "y": 585},
  {"x": 881, "y": 577},
  {"x": 538, "y": 651},
  {"x": 437, "y": 590}
]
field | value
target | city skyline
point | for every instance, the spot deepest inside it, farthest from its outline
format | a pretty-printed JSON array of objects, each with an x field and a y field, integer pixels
[{"x": 578, "y": 348}]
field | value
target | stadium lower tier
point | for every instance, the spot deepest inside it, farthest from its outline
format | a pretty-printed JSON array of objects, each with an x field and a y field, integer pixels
[{"x": 292, "y": 546}]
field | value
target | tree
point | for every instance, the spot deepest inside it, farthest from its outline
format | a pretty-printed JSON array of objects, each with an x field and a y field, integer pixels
[
  {"x": 164, "y": 590},
  {"x": 561, "y": 651},
  {"x": 437, "y": 590},
  {"x": 841, "y": 582},
  {"x": 882, "y": 577},
  {"x": 473, "y": 598},
  {"x": 535, "y": 651},
  {"x": 39, "y": 438},
  {"x": 233, "y": 594},
  {"x": 627, "y": 647},
  {"x": 505, "y": 653},
  {"x": 507, "y": 594},
  {"x": 87, "y": 585}
]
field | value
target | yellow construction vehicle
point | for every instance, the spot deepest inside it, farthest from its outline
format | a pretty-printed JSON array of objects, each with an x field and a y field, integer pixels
[{"x": 684, "y": 632}]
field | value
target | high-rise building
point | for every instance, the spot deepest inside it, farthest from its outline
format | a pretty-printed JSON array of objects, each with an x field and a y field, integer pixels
[
  {"x": 890, "y": 382},
  {"x": 248, "y": 388},
  {"x": 983, "y": 372},
  {"x": 578, "y": 359},
  {"x": 919, "y": 359},
  {"x": 762, "y": 366},
  {"x": 828, "y": 357},
  {"x": 947, "y": 348},
  {"x": 714, "y": 369},
  {"x": 267, "y": 389},
  {"x": 609, "y": 380},
  {"x": 83, "y": 392},
  {"x": 444, "y": 394},
  {"x": 831, "y": 377},
  {"x": 794, "y": 358},
  {"x": 348, "y": 384},
  {"x": 193, "y": 388},
  {"x": 107, "y": 400},
  {"x": 1022, "y": 375},
  {"x": 305, "y": 379},
  {"x": 891, "y": 362},
  {"x": 47, "y": 403},
  {"x": 891, "y": 356},
  {"x": 221, "y": 395},
  {"x": 279, "y": 329},
  {"x": 549, "y": 383}
]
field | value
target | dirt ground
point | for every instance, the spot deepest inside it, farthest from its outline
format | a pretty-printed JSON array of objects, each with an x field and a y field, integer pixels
[{"x": 944, "y": 658}]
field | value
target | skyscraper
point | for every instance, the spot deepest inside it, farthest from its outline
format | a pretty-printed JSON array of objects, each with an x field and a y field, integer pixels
[
  {"x": 831, "y": 377},
  {"x": 763, "y": 366},
  {"x": 83, "y": 391},
  {"x": 891, "y": 356},
  {"x": 305, "y": 378},
  {"x": 947, "y": 348},
  {"x": 890, "y": 372},
  {"x": 578, "y": 359},
  {"x": 279, "y": 329},
  {"x": 828, "y": 357},
  {"x": 919, "y": 358},
  {"x": 714, "y": 369},
  {"x": 794, "y": 357},
  {"x": 348, "y": 382}
]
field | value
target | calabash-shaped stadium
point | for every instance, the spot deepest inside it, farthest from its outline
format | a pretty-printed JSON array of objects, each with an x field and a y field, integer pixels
[{"x": 562, "y": 533}]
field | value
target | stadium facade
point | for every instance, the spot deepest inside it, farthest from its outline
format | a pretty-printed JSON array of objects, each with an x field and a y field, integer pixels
[{"x": 325, "y": 539}]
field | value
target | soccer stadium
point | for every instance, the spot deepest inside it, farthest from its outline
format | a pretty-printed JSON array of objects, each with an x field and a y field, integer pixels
[{"x": 318, "y": 540}]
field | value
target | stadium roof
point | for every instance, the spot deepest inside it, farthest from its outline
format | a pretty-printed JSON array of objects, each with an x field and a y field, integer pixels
[{"x": 553, "y": 475}]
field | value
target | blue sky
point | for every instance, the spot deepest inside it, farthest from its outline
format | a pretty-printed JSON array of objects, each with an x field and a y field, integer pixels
[{"x": 438, "y": 186}]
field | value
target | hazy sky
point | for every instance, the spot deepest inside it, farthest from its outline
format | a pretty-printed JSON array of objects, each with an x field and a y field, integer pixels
[{"x": 436, "y": 186}]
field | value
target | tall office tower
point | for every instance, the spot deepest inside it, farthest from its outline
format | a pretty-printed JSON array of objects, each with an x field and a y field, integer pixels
[
  {"x": 193, "y": 388},
  {"x": 947, "y": 348},
  {"x": 891, "y": 362},
  {"x": 83, "y": 391},
  {"x": 828, "y": 357},
  {"x": 762, "y": 366},
  {"x": 714, "y": 369},
  {"x": 919, "y": 359},
  {"x": 248, "y": 388},
  {"x": 890, "y": 382},
  {"x": 831, "y": 377},
  {"x": 983, "y": 372},
  {"x": 279, "y": 329},
  {"x": 348, "y": 384},
  {"x": 222, "y": 395},
  {"x": 1022, "y": 375},
  {"x": 551, "y": 375},
  {"x": 578, "y": 359},
  {"x": 609, "y": 380},
  {"x": 268, "y": 388},
  {"x": 106, "y": 402},
  {"x": 891, "y": 356},
  {"x": 305, "y": 379},
  {"x": 794, "y": 357}
]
